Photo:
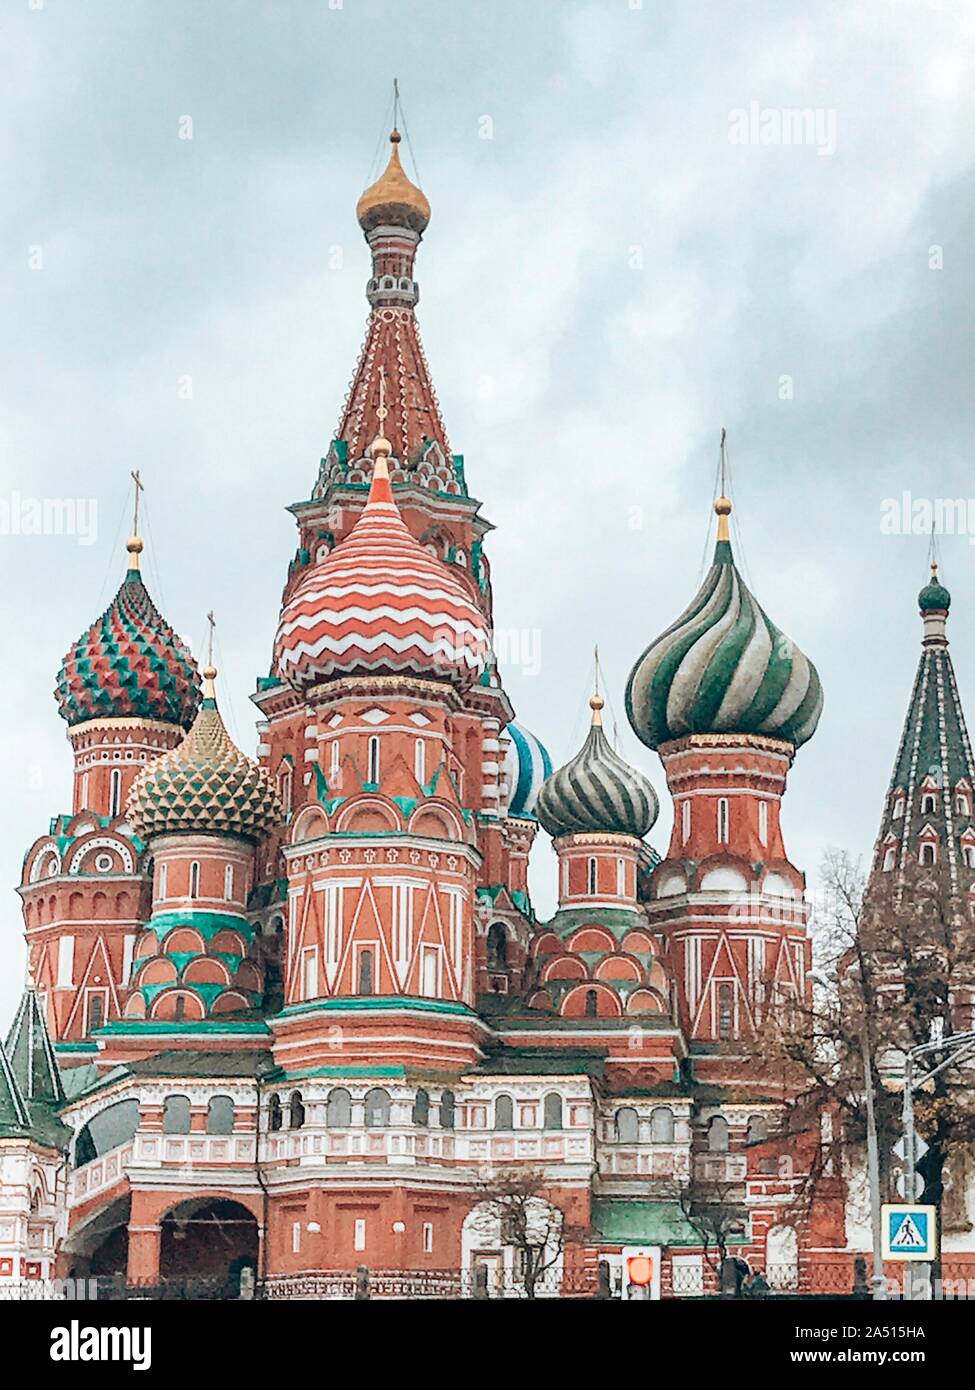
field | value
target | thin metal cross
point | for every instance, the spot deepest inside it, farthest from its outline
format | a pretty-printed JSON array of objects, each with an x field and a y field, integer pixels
[
  {"x": 213, "y": 622},
  {"x": 139, "y": 487}
]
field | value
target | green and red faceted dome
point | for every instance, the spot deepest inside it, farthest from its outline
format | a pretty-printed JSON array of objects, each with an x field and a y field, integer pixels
[
  {"x": 205, "y": 785},
  {"x": 130, "y": 663},
  {"x": 380, "y": 604}
]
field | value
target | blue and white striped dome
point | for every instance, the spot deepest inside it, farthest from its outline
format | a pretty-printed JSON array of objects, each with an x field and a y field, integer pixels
[{"x": 526, "y": 765}]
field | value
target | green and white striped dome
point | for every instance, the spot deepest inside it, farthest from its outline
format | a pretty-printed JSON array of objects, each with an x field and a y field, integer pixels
[
  {"x": 723, "y": 667},
  {"x": 597, "y": 792}
]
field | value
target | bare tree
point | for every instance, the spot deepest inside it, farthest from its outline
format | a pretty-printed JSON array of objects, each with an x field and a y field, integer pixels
[
  {"x": 516, "y": 1204},
  {"x": 715, "y": 1210}
]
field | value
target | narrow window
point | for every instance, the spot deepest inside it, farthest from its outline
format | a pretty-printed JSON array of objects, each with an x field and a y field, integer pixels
[
  {"x": 662, "y": 1125},
  {"x": 726, "y": 1017},
  {"x": 593, "y": 879},
  {"x": 685, "y": 820},
  {"x": 421, "y": 1108},
  {"x": 968, "y": 856},
  {"x": 220, "y": 1115},
  {"x": 428, "y": 1237},
  {"x": 718, "y": 1135},
  {"x": 890, "y": 856},
  {"x": 194, "y": 880},
  {"x": 96, "y": 1009},
  {"x": 285, "y": 783},
  {"x": 163, "y": 876},
  {"x": 176, "y": 1115},
  {"x": 552, "y": 1111},
  {"x": 274, "y": 1115},
  {"x": 898, "y": 808},
  {"x": 627, "y": 1125},
  {"x": 309, "y": 967},
  {"x": 928, "y": 804},
  {"x": 359, "y": 1238},
  {"x": 373, "y": 760},
  {"x": 84, "y": 792},
  {"x": 722, "y": 820},
  {"x": 763, "y": 822},
  {"x": 228, "y": 883},
  {"x": 366, "y": 985},
  {"x": 296, "y": 1111},
  {"x": 504, "y": 1113},
  {"x": 621, "y": 878},
  {"x": 497, "y": 947},
  {"x": 420, "y": 761},
  {"x": 447, "y": 1110},
  {"x": 430, "y": 971},
  {"x": 295, "y": 1237},
  {"x": 338, "y": 1108},
  {"x": 961, "y": 805},
  {"x": 929, "y": 853},
  {"x": 592, "y": 1003},
  {"x": 335, "y": 754},
  {"x": 115, "y": 792},
  {"x": 377, "y": 1104}
]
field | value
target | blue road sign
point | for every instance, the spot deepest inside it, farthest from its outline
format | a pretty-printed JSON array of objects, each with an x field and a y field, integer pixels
[{"x": 910, "y": 1231}]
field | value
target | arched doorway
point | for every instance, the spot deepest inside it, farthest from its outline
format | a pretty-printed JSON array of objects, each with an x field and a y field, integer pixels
[
  {"x": 210, "y": 1240},
  {"x": 99, "y": 1248}
]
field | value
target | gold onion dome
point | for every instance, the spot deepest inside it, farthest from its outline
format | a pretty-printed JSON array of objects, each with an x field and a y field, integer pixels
[
  {"x": 206, "y": 784},
  {"x": 393, "y": 200}
]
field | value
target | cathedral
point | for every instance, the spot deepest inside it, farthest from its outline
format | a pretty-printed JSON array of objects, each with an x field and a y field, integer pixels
[{"x": 292, "y": 1019}]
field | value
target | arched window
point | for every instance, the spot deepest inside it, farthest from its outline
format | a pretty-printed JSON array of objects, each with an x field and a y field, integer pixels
[
  {"x": 115, "y": 792},
  {"x": 621, "y": 878},
  {"x": 722, "y": 820},
  {"x": 757, "y": 1129},
  {"x": 662, "y": 1125},
  {"x": 552, "y": 1111},
  {"x": 497, "y": 946},
  {"x": 726, "y": 1010},
  {"x": 929, "y": 804},
  {"x": 961, "y": 804},
  {"x": 220, "y": 1115},
  {"x": 592, "y": 1003},
  {"x": 194, "y": 880},
  {"x": 627, "y": 1125},
  {"x": 420, "y": 761},
  {"x": 685, "y": 820},
  {"x": 163, "y": 879},
  {"x": 968, "y": 856},
  {"x": 338, "y": 1108},
  {"x": 176, "y": 1115},
  {"x": 890, "y": 858},
  {"x": 296, "y": 1111},
  {"x": 366, "y": 984},
  {"x": 285, "y": 787},
  {"x": 593, "y": 877},
  {"x": 377, "y": 1108},
  {"x": 274, "y": 1116},
  {"x": 763, "y": 822},
  {"x": 421, "y": 1108},
  {"x": 335, "y": 757},
  {"x": 504, "y": 1113},
  {"x": 718, "y": 1135},
  {"x": 447, "y": 1110},
  {"x": 929, "y": 853},
  {"x": 373, "y": 776},
  {"x": 228, "y": 883},
  {"x": 898, "y": 808}
]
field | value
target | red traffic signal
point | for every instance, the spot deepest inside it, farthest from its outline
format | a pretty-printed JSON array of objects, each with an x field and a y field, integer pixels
[{"x": 639, "y": 1270}]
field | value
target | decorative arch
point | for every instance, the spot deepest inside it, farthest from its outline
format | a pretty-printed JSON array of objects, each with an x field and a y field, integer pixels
[
  {"x": 368, "y": 814},
  {"x": 577, "y": 1003},
  {"x": 564, "y": 968},
  {"x": 83, "y": 848},
  {"x": 618, "y": 967},
  {"x": 168, "y": 1004},
  {"x": 438, "y": 820},
  {"x": 591, "y": 938},
  {"x": 311, "y": 823}
]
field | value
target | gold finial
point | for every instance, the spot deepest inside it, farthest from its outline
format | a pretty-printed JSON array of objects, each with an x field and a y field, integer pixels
[
  {"x": 596, "y": 703},
  {"x": 134, "y": 544},
  {"x": 722, "y": 508},
  {"x": 380, "y": 448},
  {"x": 209, "y": 670}
]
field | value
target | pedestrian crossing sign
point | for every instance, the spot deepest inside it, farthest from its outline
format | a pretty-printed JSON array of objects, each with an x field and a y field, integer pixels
[{"x": 910, "y": 1231}]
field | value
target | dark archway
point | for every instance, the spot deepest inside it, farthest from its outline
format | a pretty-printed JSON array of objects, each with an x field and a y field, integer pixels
[{"x": 209, "y": 1239}]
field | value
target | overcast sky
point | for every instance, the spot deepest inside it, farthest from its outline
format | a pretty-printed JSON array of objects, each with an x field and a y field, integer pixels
[{"x": 625, "y": 254}]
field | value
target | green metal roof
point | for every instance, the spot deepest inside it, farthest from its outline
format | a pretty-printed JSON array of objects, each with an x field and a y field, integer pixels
[{"x": 636, "y": 1221}]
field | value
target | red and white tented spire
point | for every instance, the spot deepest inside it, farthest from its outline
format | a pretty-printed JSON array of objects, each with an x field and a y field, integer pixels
[{"x": 380, "y": 604}]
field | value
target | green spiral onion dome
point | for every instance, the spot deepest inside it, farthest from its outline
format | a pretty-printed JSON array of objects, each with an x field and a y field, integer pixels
[
  {"x": 934, "y": 597},
  {"x": 206, "y": 784},
  {"x": 597, "y": 792},
  {"x": 130, "y": 663},
  {"x": 723, "y": 667}
]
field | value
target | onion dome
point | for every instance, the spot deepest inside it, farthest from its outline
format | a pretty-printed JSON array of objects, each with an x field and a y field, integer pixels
[
  {"x": 393, "y": 200},
  {"x": 597, "y": 792},
  {"x": 130, "y": 663},
  {"x": 526, "y": 765},
  {"x": 934, "y": 597},
  {"x": 379, "y": 603},
  {"x": 206, "y": 784},
  {"x": 723, "y": 667}
]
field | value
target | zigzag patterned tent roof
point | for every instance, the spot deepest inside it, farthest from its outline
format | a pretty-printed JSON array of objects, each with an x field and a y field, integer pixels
[{"x": 380, "y": 603}]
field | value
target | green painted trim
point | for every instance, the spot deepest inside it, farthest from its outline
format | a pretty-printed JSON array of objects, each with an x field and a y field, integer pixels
[
  {"x": 135, "y": 1026},
  {"x": 367, "y": 1003}
]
